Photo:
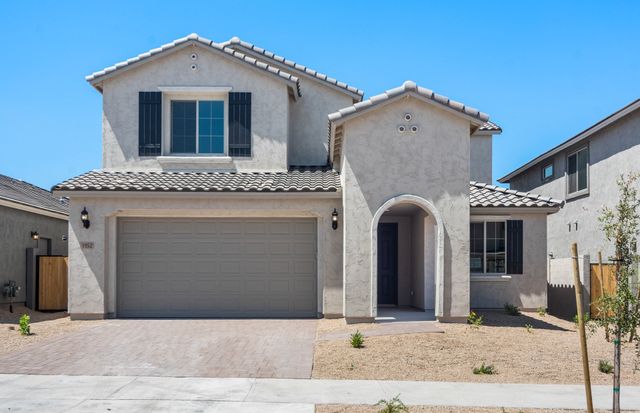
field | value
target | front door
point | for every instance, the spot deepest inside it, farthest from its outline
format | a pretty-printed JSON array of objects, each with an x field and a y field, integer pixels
[{"x": 388, "y": 263}]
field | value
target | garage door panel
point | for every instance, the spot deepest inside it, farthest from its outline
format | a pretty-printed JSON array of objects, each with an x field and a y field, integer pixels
[{"x": 216, "y": 267}]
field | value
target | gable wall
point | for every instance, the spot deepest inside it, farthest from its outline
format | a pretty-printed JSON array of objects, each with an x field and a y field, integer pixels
[
  {"x": 378, "y": 164},
  {"x": 270, "y": 101},
  {"x": 309, "y": 122}
]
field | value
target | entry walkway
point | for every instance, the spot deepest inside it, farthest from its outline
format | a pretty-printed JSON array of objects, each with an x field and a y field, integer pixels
[{"x": 31, "y": 393}]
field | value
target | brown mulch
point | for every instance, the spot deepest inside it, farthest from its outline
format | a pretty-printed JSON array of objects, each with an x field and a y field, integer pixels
[
  {"x": 548, "y": 353},
  {"x": 44, "y": 327}
]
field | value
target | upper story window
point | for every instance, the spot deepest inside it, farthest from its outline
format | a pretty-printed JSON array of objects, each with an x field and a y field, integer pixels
[
  {"x": 209, "y": 122},
  {"x": 547, "y": 172},
  {"x": 197, "y": 126},
  {"x": 578, "y": 172}
]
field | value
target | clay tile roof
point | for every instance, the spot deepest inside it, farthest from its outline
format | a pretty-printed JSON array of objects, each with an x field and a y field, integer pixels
[
  {"x": 409, "y": 86},
  {"x": 485, "y": 195},
  {"x": 490, "y": 127},
  {"x": 24, "y": 193},
  {"x": 236, "y": 42},
  {"x": 94, "y": 77},
  {"x": 295, "y": 180}
]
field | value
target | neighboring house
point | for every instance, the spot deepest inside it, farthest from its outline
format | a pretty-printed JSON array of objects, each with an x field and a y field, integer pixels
[
  {"x": 221, "y": 195},
  {"x": 28, "y": 212},
  {"x": 583, "y": 171}
]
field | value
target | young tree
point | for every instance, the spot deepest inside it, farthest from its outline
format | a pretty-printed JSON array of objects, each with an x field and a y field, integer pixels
[{"x": 619, "y": 312}]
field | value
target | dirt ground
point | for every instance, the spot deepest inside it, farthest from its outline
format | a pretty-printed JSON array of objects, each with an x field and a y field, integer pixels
[
  {"x": 549, "y": 353},
  {"x": 326, "y": 408},
  {"x": 44, "y": 326}
]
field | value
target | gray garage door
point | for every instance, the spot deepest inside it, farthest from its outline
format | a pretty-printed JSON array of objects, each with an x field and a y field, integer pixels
[{"x": 216, "y": 267}]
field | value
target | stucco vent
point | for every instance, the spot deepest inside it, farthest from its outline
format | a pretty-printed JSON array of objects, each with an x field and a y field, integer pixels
[
  {"x": 414, "y": 128},
  {"x": 194, "y": 56},
  {"x": 402, "y": 129},
  {"x": 408, "y": 117},
  {"x": 194, "y": 67}
]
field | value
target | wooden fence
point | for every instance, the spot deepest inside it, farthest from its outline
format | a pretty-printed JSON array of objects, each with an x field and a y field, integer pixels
[
  {"x": 601, "y": 284},
  {"x": 52, "y": 283}
]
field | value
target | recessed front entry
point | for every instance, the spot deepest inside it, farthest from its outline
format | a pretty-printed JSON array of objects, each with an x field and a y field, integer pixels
[
  {"x": 387, "y": 264},
  {"x": 218, "y": 267}
]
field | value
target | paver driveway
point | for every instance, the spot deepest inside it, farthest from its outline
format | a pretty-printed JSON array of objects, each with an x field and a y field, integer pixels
[{"x": 179, "y": 348}]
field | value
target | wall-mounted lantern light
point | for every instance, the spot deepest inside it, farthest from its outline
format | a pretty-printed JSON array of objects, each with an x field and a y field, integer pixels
[
  {"x": 334, "y": 219},
  {"x": 84, "y": 217},
  {"x": 35, "y": 236}
]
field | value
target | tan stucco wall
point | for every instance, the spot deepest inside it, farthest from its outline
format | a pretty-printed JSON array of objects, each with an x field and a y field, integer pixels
[
  {"x": 481, "y": 158},
  {"x": 527, "y": 290},
  {"x": 379, "y": 164},
  {"x": 309, "y": 124},
  {"x": 269, "y": 113},
  {"x": 92, "y": 274},
  {"x": 308, "y": 142}
]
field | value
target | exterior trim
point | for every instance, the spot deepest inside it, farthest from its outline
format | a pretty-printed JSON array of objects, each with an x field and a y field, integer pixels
[
  {"x": 34, "y": 210},
  {"x": 439, "y": 259}
]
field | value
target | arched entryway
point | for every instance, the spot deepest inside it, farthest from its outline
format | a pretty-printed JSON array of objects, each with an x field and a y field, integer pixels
[{"x": 407, "y": 244}]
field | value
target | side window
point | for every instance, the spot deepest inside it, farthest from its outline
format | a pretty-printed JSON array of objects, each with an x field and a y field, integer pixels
[
  {"x": 496, "y": 247},
  {"x": 547, "y": 172},
  {"x": 578, "y": 171}
]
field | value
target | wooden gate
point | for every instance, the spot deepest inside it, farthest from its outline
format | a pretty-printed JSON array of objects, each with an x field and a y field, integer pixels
[
  {"x": 52, "y": 283},
  {"x": 599, "y": 287}
]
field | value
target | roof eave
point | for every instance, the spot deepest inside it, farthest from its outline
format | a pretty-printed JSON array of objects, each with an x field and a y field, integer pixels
[
  {"x": 356, "y": 96},
  {"x": 96, "y": 79}
]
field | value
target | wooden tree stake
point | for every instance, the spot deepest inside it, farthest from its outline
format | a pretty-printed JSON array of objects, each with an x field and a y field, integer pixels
[{"x": 581, "y": 330}]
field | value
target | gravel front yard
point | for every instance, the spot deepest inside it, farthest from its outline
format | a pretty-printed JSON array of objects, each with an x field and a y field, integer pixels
[
  {"x": 549, "y": 353},
  {"x": 44, "y": 327},
  {"x": 326, "y": 408}
]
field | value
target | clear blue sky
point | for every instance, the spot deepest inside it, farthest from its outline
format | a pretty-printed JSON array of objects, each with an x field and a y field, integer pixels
[{"x": 543, "y": 70}]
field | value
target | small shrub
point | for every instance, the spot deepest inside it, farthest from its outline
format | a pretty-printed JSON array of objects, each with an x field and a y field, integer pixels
[
  {"x": 394, "y": 405},
  {"x": 529, "y": 328},
  {"x": 541, "y": 311},
  {"x": 25, "y": 327},
  {"x": 605, "y": 367},
  {"x": 474, "y": 319},
  {"x": 356, "y": 340},
  {"x": 484, "y": 369},
  {"x": 511, "y": 309}
]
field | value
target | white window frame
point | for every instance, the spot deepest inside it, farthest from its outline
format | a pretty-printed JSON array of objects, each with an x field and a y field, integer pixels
[
  {"x": 553, "y": 172},
  {"x": 484, "y": 272},
  {"x": 193, "y": 94},
  {"x": 580, "y": 192}
]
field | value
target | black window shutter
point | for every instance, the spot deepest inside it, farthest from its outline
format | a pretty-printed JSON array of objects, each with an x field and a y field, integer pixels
[
  {"x": 149, "y": 123},
  {"x": 514, "y": 247},
  {"x": 240, "y": 124}
]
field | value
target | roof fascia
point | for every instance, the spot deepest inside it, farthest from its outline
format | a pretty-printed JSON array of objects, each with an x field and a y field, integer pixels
[{"x": 9, "y": 203}]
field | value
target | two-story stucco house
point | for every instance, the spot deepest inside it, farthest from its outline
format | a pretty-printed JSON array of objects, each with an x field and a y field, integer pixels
[
  {"x": 237, "y": 183},
  {"x": 583, "y": 171}
]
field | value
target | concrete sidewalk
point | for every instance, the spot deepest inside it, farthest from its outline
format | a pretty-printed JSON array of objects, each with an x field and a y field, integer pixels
[{"x": 30, "y": 393}]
